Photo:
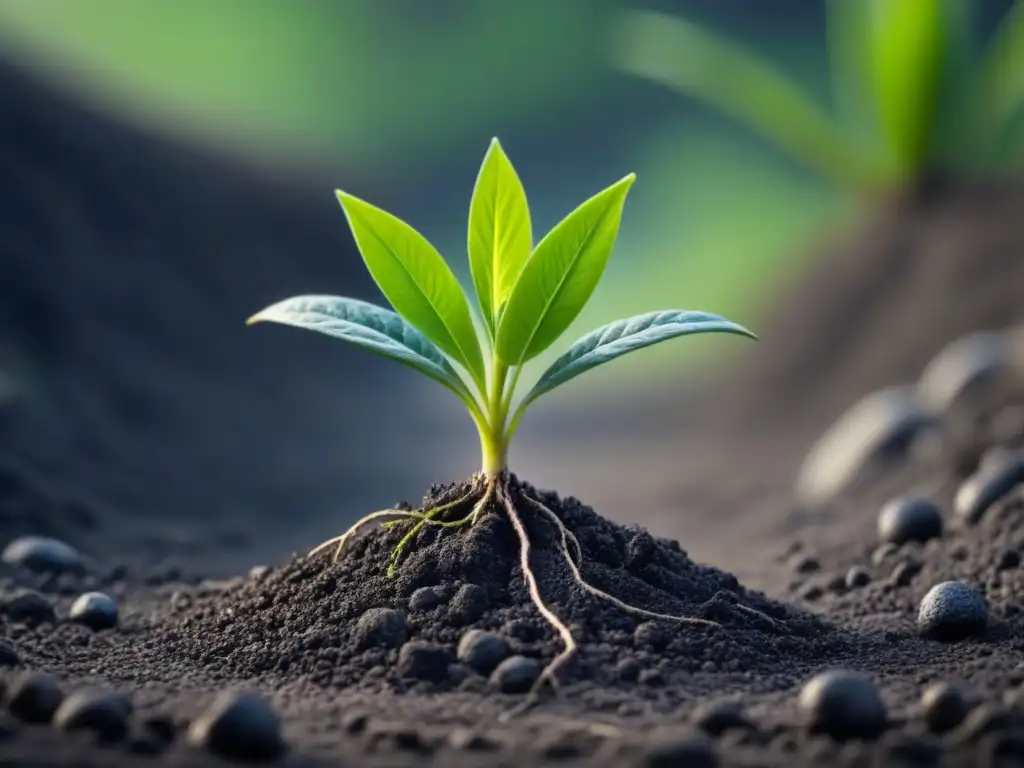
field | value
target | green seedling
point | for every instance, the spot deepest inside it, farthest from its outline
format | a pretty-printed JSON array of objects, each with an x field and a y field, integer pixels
[
  {"x": 913, "y": 91},
  {"x": 526, "y": 296}
]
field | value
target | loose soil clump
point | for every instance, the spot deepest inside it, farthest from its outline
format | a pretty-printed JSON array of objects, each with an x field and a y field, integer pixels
[{"x": 348, "y": 624}]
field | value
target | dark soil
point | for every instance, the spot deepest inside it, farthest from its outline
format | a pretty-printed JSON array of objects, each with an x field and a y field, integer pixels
[
  {"x": 141, "y": 422},
  {"x": 878, "y": 301}
]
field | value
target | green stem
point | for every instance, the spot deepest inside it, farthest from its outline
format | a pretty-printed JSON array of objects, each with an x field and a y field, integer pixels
[{"x": 493, "y": 442}]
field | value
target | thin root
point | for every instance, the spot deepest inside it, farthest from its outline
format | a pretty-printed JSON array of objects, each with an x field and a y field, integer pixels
[
  {"x": 549, "y": 673},
  {"x": 569, "y": 538},
  {"x": 428, "y": 518},
  {"x": 402, "y": 514}
]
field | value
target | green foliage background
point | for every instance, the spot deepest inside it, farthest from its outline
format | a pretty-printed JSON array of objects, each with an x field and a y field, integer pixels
[{"x": 403, "y": 96}]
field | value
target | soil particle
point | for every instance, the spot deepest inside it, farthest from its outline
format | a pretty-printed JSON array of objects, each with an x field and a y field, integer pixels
[
  {"x": 39, "y": 553},
  {"x": 240, "y": 726},
  {"x": 986, "y": 487},
  {"x": 909, "y": 519},
  {"x": 421, "y": 660},
  {"x": 844, "y": 705},
  {"x": 952, "y": 611},
  {"x": 95, "y": 610},
  {"x": 381, "y": 628},
  {"x": 102, "y": 712},
  {"x": 482, "y": 651},
  {"x": 944, "y": 706},
  {"x": 34, "y": 697},
  {"x": 516, "y": 674},
  {"x": 29, "y": 606}
]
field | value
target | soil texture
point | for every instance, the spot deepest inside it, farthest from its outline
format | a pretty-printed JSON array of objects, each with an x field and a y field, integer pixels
[{"x": 143, "y": 425}]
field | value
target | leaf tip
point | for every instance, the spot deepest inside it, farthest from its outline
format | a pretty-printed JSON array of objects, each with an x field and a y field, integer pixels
[{"x": 257, "y": 318}]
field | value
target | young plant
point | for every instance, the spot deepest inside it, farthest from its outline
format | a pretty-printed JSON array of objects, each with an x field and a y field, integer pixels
[
  {"x": 527, "y": 296},
  {"x": 913, "y": 92}
]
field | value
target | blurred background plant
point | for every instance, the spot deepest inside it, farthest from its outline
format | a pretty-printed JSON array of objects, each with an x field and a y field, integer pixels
[
  {"x": 916, "y": 91},
  {"x": 402, "y": 96}
]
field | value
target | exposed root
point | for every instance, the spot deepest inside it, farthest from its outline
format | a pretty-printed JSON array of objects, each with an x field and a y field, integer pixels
[
  {"x": 429, "y": 518},
  {"x": 403, "y": 514},
  {"x": 569, "y": 538},
  {"x": 550, "y": 672}
]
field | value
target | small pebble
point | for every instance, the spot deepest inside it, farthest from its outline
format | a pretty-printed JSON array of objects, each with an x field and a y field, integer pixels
[
  {"x": 469, "y": 604},
  {"x": 425, "y": 599},
  {"x": 34, "y": 697},
  {"x": 239, "y": 726},
  {"x": 482, "y": 651},
  {"x": 95, "y": 610},
  {"x": 30, "y": 607},
  {"x": 380, "y": 628},
  {"x": 806, "y": 564},
  {"x": 42, "y": 554},
  {"x": 420, "y": 660},
  {"x": 843, "y": 705},
  {"x": 715, "y": 718},
  {"x": 986, "y": 487},
  {"x": 103, "y": 712},
  {"x": 515, "y": 674},
  {"x": 944, "y": 706},
  {"x": 909, "y": 519},
  {"x": 857, "y": 577},
  {"x": 952, "y": 611}
]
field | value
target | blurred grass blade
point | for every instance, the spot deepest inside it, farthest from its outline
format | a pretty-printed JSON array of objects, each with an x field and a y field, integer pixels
[
  {"x": 624, "y": 336},
  {"x": 847, "y": 29},
  {"x": 560, "y": 276},
  {"x": 907, "y": 49},
  {"x": 500, "y": 238},
  {"x": 698, "y": 64},
  {"x": 414, "y": 277},
  {"x": 374, "y": 328},
  {"x": 1000, "y": 85}
]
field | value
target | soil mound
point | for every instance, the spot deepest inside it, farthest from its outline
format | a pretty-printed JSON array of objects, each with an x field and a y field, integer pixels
[
  {"x": 128, "y": 264},
  {"x": 876, "y": 303},
  {"x": 309, "y": 619}
]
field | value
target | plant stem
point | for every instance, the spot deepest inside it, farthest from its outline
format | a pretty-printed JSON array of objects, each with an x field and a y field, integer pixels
[{"x": 493, "y": 441}]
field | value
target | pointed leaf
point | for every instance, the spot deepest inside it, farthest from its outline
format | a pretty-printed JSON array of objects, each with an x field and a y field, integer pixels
[
  {"x": 907, "y": 50},
  {"x": 560, "y": 276},
  {"x": 624, "y": 336},
  {"x": 414, "y": 277},
  {"x": 379, "y": 330},
  {"x": 500, "y": 239}
]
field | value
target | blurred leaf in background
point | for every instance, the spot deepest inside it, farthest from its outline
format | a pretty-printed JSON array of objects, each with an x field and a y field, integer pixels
[
  {"x": 376, "y": 83},
  {"x": 406, "y": 93}
]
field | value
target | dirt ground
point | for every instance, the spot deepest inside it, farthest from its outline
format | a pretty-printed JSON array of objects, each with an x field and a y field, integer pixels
[{"x": 143, "y": 424}]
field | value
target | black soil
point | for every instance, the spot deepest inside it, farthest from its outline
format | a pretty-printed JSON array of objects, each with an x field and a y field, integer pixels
[{"x": 141, "y": 422}]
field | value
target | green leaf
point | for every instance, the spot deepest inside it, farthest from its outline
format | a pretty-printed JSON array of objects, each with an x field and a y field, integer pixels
[
  {"x": 560, "y": 276},
  {"x": 500, "y": 238},
  {"x": 414, "y": 277},
  {"x": 1001, "y": 77},
  {"x": 379, "y": 330},
  {"x": 624, "y": 336},
  {"x": 716, "y": 71},
  {"x": 906, "y": 52}
]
